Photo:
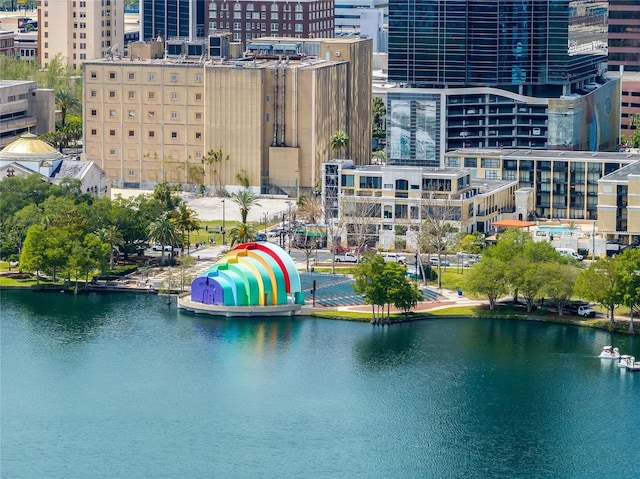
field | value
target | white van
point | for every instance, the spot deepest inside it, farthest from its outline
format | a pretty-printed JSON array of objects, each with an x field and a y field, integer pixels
[
  {"x": 570, "y": 252},
  {"x": 394, "y": 258}
]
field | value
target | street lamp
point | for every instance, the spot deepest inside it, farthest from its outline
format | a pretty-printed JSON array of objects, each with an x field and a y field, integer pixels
[
  {"x": 289, "y": 205},
  {"x": 223, "y": 224},
  {"x": 265, "y": 222}
]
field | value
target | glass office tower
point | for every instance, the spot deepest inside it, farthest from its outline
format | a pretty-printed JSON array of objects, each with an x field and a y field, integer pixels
[
  {"x": 172, "y": 18},
  {"x": 519, "y": 45}
]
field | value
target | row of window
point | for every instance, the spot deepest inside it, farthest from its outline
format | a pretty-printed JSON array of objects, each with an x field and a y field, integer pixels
[
  {"x": 274, "y": 27},
  {"x": 151, "y": 76},
  {"x": 274, "y": 8},
  {"x": 151, "y": 114},
  {"x": 131, "y": 95},
  {"x": 150, "y": 134},
  {"x": 258, "y": 16}
]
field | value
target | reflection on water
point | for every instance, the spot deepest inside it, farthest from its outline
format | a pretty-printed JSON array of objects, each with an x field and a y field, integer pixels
[{"x": 121, "y": 385}]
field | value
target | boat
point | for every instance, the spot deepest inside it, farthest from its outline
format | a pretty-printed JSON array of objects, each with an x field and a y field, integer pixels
[
  {"x": 609, "y": 352},
  {"x": 629, "y": 363}
]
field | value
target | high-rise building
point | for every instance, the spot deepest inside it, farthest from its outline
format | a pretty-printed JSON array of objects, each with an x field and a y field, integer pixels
[
  {"x": 624, "y": 35},
  {"x": 79, "y": 30},
  {"x": 250, "y": 19},
  {"x": 172, "y": 19},
  {"x": 530, "y": 47},
  {"x": 500, "y": 74}
]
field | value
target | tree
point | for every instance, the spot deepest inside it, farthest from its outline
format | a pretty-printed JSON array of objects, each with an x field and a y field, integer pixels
[
  {"x": 66, "y": 101},
  {"x": 379, "y": 111},
  {"x": 214, "y": 160},
  {"x": 473, "y": 243},
  {"x": 86, "y": 256},
  {"x": 559, "y": 283},
  {"x": 32, "y": 257},
  {"x": 245, "y": 199},
  {"x": 112, "y": 236},
  {"x": 396, "y": 285},
  {"x": 166, "y": 194},
  {"x": 598, "y": 283},
  {"x": 406, "y": 296},
  {"x": 339, "y": 142},
  {"x": 310, "y": 208},
  {"x": 359, "y": 221},
  {"x": 488, "y": 279},
  {"x": 368, "y": 283},
  {"x": 438, "y": 233},
  {"x": 186, "y": 220},
  {"x": 242, "y": 233},
  {"x": 163, "y": 231},
  {"x": 629, "y": 281}
]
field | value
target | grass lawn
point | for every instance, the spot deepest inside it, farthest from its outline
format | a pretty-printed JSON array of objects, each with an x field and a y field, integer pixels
[
  {"x": 23, "y": 280},
  {"x": 202, "y": 235}
]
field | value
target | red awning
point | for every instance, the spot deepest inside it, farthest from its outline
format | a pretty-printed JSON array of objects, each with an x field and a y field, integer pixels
[{"x": 513, "y": 224}]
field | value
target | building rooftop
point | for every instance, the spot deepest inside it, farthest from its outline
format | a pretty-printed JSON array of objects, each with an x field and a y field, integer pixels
[
  {"x": 546, "y": 154},
  {"x": 29, "y": 147},
  {"x": 621, "y": 175}
]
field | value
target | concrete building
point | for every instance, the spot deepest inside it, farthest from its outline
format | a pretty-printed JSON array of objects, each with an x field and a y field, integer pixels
[
  {"x": 79, "y": 30},
  {"x": 28, "y": 155},
  {"x": 564, "y": 183},
  {"x": 386, "y": 206},
  {"x": 251, "y": 19},
  {"x": 25, "y": 108},
  {"x": 151, "y": 121},
  {"x": 619, "y": 206},
  {"x": 8, "y": 43},
  {"x": 630, "y": 103},
  {"x": 624, "y": 35},
  {"x": 498, "y": 73}
]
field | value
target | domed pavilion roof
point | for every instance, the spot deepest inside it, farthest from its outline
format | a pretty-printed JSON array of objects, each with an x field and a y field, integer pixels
[{"x": 29, "y": 147}]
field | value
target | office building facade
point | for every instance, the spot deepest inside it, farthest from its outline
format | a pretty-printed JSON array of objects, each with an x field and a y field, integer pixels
[
  {"x": 79, "y": 30},
  {"x": 386, "y": 206},
  {"x": 624, "y": 35},
  {"x": 25, "y": 109},
  {"x": 172, "y": 19},
  {"x": 512, "y": 74},
  {"x": 565, "y": 184}
]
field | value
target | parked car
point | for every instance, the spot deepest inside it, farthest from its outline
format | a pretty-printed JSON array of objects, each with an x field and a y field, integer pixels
[
  {"x": 443, "y": 261},
  {"x": 346, "y": 258},
  {"x": 339, "y": 249},
  {"x": 158, "y": 247},
  {"x": 261, "y": 237},
  {"x": 394, "y": 257}
]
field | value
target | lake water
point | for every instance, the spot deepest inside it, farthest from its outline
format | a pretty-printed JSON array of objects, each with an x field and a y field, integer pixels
[{"x": 123, "y": 386}]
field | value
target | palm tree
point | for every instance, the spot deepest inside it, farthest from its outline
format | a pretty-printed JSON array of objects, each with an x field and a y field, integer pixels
[
  {"x": 245, "y": 200},
  {"x": 163, "y": 231},
  {"x": 186, "y": 220},
  {"x": 67, "y": 101},
  {"x": 112, "y": 236},
  {"x": 339, "y": 141},
  {"x": 242, "y": 233}
]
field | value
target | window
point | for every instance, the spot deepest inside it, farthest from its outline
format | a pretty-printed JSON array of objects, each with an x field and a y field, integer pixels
[
  {"x": 112, "y": 113},
  {"x": 112, "y": 94},
  {"x": 152, "y": 134},
  {"x": 174, "y": 77},
  {"x": 112, "y": 132},
  {"x": 198, "y": 154},
  {"x": 490, "y": 163},
  {"x": 174, "y": 95},
  {"x": 198, "y": 135},
  {"x": 94, "y": 112},
  {"x": 112, "y": 75},
  {"x": 94, "y": 93},
  {"x": 198, "y": 116},
  {"x": 267, "y": 117},
  {"x": 298, "y": 27},
  {"x": 174, "y": 134},
  {"x": 152, "y": 76},
  {"x": 131, "y": 95},
  {"x": 132, "y": 113},
  {"x": 152, "y": 114},
  {"x": 132, "y": 133},
  {"x": 94, "y": 132},
  {"x": 174, "y": 115},
  {"x": 198, "y": 96},
  {"x": 152, "y": 95},
  {"x": 470, "y": 162},
  {"x": 112, "y": 151},
  {"x": 198, "y": 78},
  {"x": 237, "y": 26},
  {"x": 132, "y": 76},
  {"x": 132, "y": 172}
]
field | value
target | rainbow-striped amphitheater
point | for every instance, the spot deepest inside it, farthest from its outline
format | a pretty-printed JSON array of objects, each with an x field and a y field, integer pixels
[{"x": 250, "y": 275}]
